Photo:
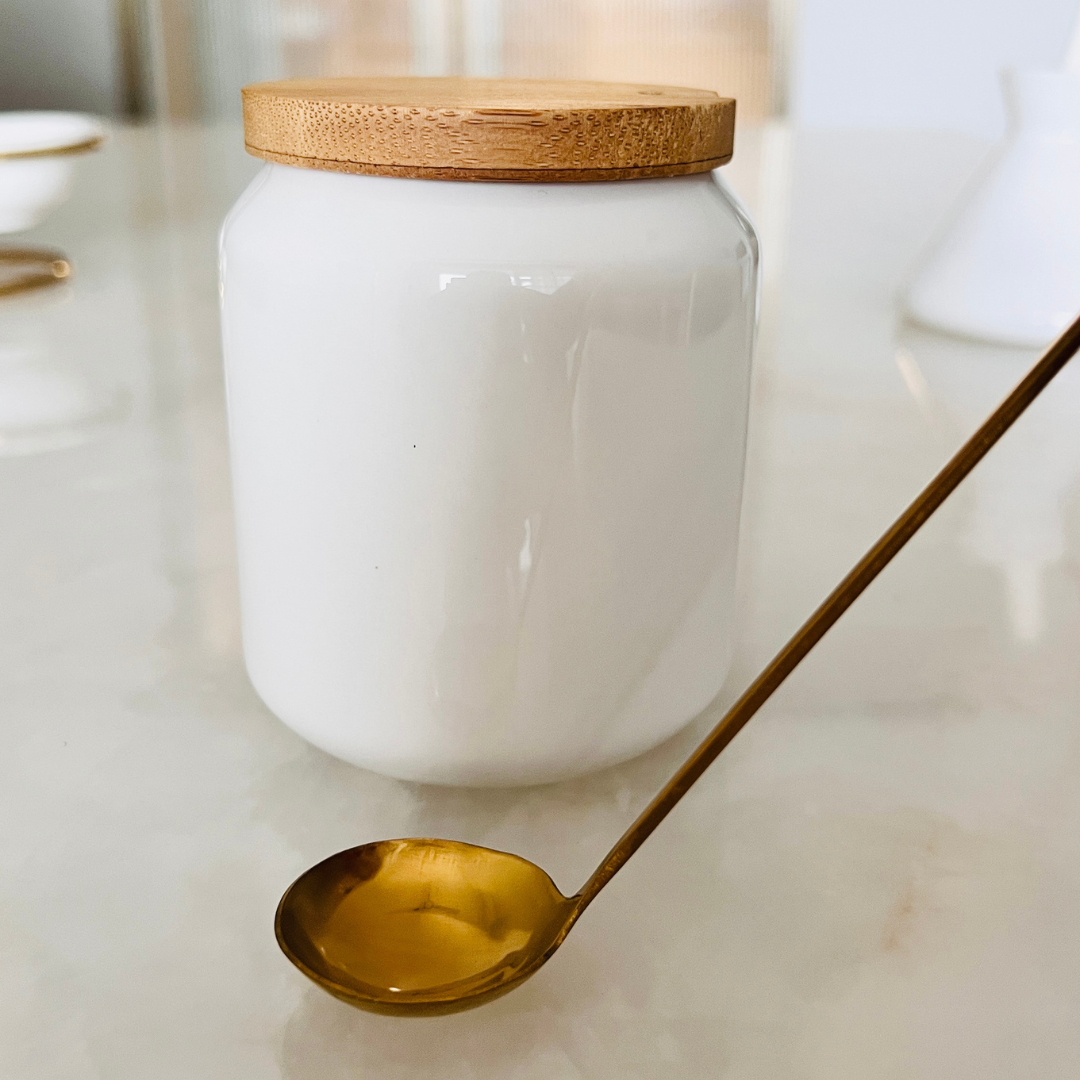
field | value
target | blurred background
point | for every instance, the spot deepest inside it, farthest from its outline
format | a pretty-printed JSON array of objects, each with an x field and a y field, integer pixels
[{"x": 917, "y": 63}]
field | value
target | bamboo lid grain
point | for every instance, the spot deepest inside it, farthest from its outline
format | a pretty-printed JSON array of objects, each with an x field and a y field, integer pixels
[{"x": 489, "y": 129}]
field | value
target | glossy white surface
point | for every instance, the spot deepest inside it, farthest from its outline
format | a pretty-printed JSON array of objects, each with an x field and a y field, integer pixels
[
  {"x": 877, "y": 882},
  {"x": 33, "y": 186},
  {"x": 487, "y": 457}
]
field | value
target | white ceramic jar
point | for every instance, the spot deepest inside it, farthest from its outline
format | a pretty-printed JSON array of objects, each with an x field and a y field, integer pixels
[{"x": 487, "y": 447}]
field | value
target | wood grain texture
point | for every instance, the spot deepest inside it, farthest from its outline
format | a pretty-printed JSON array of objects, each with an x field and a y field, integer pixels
[{"x": 489, "y": 129}]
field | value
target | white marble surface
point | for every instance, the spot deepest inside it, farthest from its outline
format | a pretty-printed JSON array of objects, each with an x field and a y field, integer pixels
[{"x": 880, "y": 879}]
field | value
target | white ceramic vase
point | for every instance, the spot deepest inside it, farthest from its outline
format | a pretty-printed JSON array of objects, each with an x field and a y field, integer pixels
[{"x": 1007, "y": 266}]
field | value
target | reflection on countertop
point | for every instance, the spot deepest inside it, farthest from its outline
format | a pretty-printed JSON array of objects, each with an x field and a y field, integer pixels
[
  {"x": 877, "y": 881},
  {"x": 1017, "y": 524},
  {"x": 51, "y": 397}
]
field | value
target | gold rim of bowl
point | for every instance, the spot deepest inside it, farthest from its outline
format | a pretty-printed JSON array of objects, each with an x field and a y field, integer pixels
[{"x": 53, "y": 151}]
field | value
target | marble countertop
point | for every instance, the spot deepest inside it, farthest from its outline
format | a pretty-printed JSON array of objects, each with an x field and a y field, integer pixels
[{"x": 879, "y": 880}]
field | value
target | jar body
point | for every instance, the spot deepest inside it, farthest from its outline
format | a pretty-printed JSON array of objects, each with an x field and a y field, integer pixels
[{"x": 487, "y": 447}]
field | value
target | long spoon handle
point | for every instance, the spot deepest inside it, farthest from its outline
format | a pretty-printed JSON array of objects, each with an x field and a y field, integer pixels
[{"x": 837, "y": 602}]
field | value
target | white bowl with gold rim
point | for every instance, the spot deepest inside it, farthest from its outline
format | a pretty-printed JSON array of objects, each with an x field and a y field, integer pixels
[{"x": 37, "y": 158}]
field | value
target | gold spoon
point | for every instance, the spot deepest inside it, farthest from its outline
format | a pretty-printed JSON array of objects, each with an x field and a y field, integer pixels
[
  {"x": 36, "y": 268},
  {"x": 417, "y": 927}
]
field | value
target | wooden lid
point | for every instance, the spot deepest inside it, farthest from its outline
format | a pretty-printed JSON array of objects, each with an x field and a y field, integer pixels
[{"x": 489, "y": 129}]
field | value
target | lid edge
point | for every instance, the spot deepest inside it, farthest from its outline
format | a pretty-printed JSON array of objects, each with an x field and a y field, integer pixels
[{"x": 538, "y": 175}]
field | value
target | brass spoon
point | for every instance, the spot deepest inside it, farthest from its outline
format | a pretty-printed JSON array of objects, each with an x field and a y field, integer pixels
[
  {"x": 37, "y": 267},
  {"x": 416, "y": 927}
]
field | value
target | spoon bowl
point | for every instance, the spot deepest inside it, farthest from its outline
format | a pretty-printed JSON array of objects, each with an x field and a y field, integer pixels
[{"x": 419, "y": 927}]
